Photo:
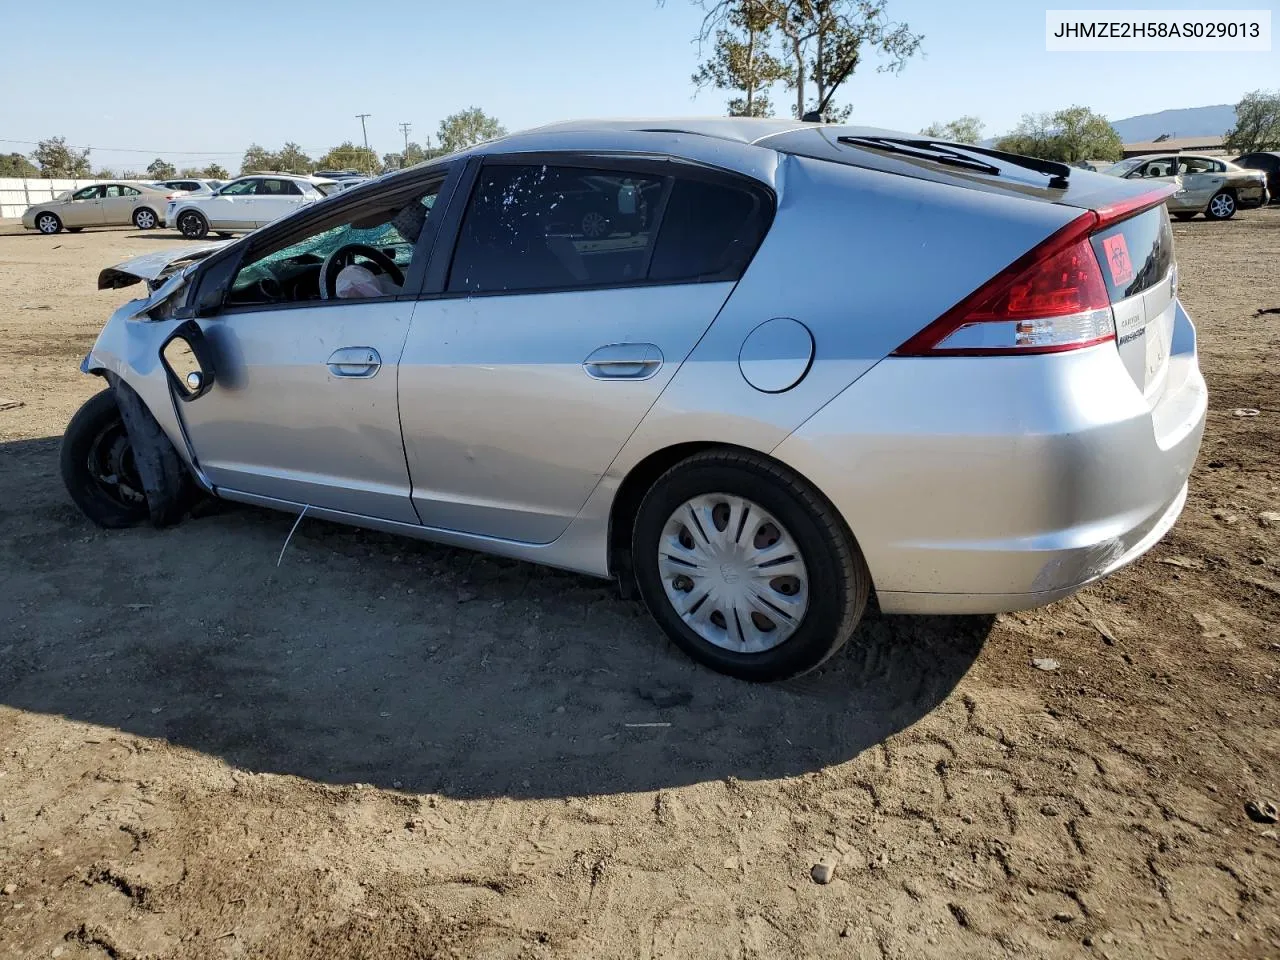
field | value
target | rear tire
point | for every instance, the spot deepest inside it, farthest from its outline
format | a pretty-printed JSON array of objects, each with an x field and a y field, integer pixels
[
  {"x": 48, "y": 223},
  {"x": 96, "y": 461},
  {"x": 193, "y": 225},
  {"x": 1222, "y": 206},
  {"x": 814, "y": 605},
  {"x": 144, "y": 218}
]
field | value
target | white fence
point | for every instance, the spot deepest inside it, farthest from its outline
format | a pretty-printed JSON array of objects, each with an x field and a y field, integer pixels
[{"x": 18, "y": 193}]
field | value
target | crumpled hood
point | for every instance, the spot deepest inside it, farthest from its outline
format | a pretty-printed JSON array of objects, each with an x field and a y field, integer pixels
[{"x": 155, "y": 266}]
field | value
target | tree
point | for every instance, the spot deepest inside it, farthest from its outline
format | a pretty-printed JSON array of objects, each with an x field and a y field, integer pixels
[
  {"x": 1257, "y": 123},
  {"x": 292, "y": 159},
  {"x": 822, "y": 42},
  {"x": 347, "y": 156},
  {"x": 16, "y": 165},
  {"x": 468, "y": 127},
  {"x": 1076, "y": 133},
  {"x": 56, "y": 159},
  {"x": 106, "y": 173},
  {"x": 215, "y": 171},
  {"x": 965, "y": 130},
  {"x": 159, "y": 169},
  {"x": 741, "y": 60},
  {"x": 130, "y": 175},
  {"x": 257, "y": 158}
]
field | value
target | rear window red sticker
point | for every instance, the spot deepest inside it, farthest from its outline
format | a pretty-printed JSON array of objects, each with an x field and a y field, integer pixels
[{"x": 1118, "y": 261}]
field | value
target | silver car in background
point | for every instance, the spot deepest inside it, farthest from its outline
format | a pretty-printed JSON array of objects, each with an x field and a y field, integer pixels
[
  {"x": 755, "y": 369},
  {"x": 1209, "y": 185}
]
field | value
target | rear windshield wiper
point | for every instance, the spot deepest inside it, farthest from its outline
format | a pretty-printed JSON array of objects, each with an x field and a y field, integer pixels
[{"x": 951, "y": 155}]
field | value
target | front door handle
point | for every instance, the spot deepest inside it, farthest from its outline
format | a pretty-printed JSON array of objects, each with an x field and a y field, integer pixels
[
  {"x": 624, "y": 361},
  {"x": 355, "y": 362}
]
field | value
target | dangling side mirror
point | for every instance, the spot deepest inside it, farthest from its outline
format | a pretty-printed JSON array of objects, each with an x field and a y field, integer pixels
[{"x": 186, "y": 358}]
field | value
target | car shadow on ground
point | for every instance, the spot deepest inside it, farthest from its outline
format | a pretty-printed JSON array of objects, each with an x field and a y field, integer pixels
[{"x": 369, "y": 658}]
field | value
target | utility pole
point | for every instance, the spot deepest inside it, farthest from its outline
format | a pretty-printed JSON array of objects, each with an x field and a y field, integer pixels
[
  {"x": 362, "y": 117},
  {"x": 405, "y": 128}
]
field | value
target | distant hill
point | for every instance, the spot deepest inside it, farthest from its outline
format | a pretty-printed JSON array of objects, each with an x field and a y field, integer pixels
[{"x": 1211, "y": 121}]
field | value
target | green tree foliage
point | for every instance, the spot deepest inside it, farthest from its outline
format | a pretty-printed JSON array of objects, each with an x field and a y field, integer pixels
[
  {"x": 292, "y": 159},
  {"x": 468, "y": 127},
  {"x": 56, "y": 159},
  {"x": 965, "y": 130},
  {"x": 106, "y": 173},
  {"x": 1257, "y": 123},
  {"x": 1076, "y": 133},
  {"x": 819, "y": 43},
  {"x": 742, "y": 60},
  {"x": 16, "y": 165},
  {"x": 347, "y": 156},
  {"x": 257, "y": 158},
  {"x": 159, "y": 169},
  {"x": 130, "y": 175},
  {"x": 215, "y": 171}
]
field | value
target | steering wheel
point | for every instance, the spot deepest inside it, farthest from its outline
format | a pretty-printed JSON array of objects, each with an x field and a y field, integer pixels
[{"x": 346, "y": 255}]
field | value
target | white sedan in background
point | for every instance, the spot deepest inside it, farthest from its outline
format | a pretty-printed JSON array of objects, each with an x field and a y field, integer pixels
[{"x": 244, "y": 204}]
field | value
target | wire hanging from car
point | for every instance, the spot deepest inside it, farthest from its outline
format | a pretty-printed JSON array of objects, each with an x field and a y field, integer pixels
[{"x": 305, "y": 508}]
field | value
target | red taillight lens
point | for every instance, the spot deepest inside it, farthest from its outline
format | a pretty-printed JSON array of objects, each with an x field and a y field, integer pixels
[{"x": 1051, "y": 299}]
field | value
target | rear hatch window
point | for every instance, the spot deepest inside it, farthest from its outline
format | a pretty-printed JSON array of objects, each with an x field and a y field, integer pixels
[{"x": 1136, "y": 256}]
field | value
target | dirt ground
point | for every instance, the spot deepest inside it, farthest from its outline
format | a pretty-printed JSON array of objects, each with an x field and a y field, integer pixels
[{"x": 388, "y": 749}]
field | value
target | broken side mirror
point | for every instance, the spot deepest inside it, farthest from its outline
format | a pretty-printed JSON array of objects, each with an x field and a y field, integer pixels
[{"x": 186, "y": 360}]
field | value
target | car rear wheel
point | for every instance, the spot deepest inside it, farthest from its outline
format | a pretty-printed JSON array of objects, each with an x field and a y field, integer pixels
[
  {"x": 144, "y": 219},
  {"x": 48, "y": 223},
  {"x": 193, "y": 225},
  {"x": 98, "y": 468},
  {"x": 1222, "y": 206},
  {"x": 746, "y": 567}
]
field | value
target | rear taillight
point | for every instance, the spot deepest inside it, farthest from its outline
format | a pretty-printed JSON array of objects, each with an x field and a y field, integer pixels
[{"x": 1051, "y": 299}]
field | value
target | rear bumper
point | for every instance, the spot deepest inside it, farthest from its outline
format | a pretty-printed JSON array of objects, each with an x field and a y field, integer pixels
[{"x": 979, "y": 485}]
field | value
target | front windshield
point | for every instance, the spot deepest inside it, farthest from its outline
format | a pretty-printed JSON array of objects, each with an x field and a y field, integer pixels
[{"x": 1123, "y": 167}]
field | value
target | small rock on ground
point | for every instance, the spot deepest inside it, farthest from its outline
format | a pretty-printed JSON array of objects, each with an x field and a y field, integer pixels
[
  {"x": 1260, "y": 811},
  {"x": 822, "y": 872},
  {"x": 1045, "y": 663}
]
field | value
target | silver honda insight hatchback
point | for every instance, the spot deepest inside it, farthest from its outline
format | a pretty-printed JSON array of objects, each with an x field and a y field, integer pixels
[{"x": 755, "y": 369}]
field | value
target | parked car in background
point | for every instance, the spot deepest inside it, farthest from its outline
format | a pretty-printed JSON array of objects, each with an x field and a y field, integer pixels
[
  {"x": 1209, "y": 185},
  {"x": 807, "y": 361},
  {"x": 201, "y": 187},
  {"x": 1268, "y": 161},
  {"x": 244, "y": 204},
  {"x": 99, "y": 205}
]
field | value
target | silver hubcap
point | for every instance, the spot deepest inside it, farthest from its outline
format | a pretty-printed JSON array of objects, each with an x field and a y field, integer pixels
[
  {"x": 594, "y": 224},
  {"x": 1222, "y": 205},
  {"x": 733, "y": 573},
  {"x": 145, "y": 220},
  {"x": 48, "y": 224}
]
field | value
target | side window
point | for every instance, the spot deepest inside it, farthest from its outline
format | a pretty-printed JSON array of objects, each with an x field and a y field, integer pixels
[
  {"x": 537, "y": 227},
  {"x": 130, "y": 192},
  {"x": 114, "y": 190},
  {"x": 368, "y": 253},
  {"x": 239, "y": 189},
  {"x": 88, "y": 193},
  {"x": 1196, "y": 165},
  {"x": 710, "y": 231},
  {"x": 277, "y": 188}
]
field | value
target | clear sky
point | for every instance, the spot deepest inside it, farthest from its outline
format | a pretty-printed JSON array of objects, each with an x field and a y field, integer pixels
[{"x": 208, "y": 79}]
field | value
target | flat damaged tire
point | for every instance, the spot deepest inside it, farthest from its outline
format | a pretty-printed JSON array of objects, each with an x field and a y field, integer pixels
[{"x": 98, "y": 469}]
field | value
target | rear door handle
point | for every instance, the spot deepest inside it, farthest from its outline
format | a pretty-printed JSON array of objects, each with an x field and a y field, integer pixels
[
  {"x": 355, "y": 362},
  {"x": 624, "y": 361}
]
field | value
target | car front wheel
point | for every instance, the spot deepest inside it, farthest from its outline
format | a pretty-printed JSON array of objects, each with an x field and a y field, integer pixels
[
  {"x": 98, "y": 468},
  {"x": 746, "y": 567},
  {"x": 48, "y": 223},
  {"x": 193, "y": 225},
  {"x": 1222, "y": 206}
]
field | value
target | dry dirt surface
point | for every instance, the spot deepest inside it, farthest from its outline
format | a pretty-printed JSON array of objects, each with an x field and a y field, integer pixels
[{"x": 384, "y": 749}]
